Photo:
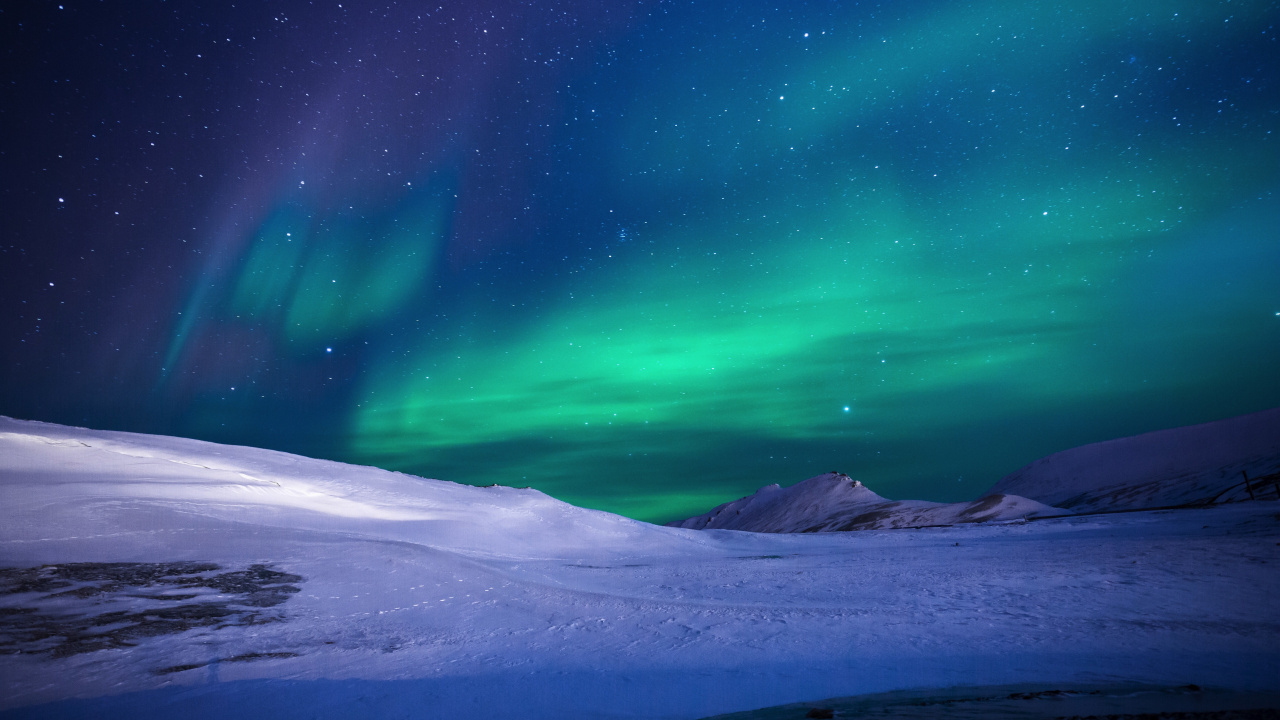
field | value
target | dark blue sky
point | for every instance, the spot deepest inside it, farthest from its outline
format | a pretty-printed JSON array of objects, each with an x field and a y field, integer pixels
[{"x": 645, "y": 256}]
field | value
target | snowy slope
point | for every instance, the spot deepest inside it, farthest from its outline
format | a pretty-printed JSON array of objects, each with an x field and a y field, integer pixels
[
  {"x": 1157, "y": 469},
  {"x": 835, "y": 502},
  {"x": 80, "y": 468},
  {"x": 148, "y": 577}
]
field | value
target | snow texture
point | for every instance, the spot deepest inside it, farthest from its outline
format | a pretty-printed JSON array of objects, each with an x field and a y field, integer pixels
[
  {"x": 835, "y": 502},
  {"x": 150, "y": 577},
  {"x": 1194, "y": 464}
]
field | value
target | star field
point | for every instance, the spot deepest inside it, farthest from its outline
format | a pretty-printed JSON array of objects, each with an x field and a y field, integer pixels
[{"x": 643, "y": 256}]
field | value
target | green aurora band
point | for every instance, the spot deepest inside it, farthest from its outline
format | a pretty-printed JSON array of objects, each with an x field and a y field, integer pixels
[{"x": 926, "y": 251}]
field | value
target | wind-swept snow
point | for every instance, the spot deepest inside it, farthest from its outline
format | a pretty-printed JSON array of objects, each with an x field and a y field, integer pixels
[
  {"x": 1169, "y": 467},
  {"x": 157, "y": 577},
  {"x": 835, "y": 502}
]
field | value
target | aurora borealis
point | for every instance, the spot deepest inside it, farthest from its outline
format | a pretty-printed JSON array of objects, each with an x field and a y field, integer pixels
[{"x": 644, "y": 256}]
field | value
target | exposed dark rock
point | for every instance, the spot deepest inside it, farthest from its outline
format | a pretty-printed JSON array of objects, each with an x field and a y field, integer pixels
[
  {"x": 177, "y": 668},
  {"x": 982, "y": 505},
  {"x": 129, "y": 603},
  {"x": 249, "y": 657}
]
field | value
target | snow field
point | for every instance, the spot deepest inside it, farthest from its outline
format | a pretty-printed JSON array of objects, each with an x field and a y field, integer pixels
[{"x": 428, "y": 599}]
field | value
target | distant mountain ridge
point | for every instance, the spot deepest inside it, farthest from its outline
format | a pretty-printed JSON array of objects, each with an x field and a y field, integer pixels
[
  {"x": 834, "y": 502},
  {"x": 1190, "y": 464},
  {"x": 1187, "y": 465}
]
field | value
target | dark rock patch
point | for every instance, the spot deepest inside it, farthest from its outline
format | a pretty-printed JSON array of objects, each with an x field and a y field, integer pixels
[
  {"x": 74, "y": 608},
  {"x": 249, "y": 657},
  {"x": 177, "y": 668},
  {"x": 867, "y": 520},
  {"x": 982, "y": 504}
]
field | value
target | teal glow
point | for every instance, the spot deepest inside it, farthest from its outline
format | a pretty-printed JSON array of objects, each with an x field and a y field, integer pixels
[
  {"x": 955, "y": 223},
  {"x": 323, "y": 281},
  {"x": 648, "y": 258}
]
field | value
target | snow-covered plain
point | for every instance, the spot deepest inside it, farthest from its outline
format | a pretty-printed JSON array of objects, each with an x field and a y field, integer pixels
[{"x": 385, "y": 595}]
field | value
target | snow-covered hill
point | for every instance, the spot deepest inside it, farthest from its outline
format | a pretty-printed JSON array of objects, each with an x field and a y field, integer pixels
[
  {"x": 834, "y": 502},
  {"x": 151, "y": 577},
  {"x": 1157, "y": 469},
  {"x": 65, "y": 476}
]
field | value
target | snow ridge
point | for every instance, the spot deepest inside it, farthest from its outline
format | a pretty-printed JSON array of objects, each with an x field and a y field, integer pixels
[{"x": 48, "y": 470}]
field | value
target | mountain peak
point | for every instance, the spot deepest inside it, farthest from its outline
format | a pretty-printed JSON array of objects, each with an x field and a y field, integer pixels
[{"x": 834, "y": 501}]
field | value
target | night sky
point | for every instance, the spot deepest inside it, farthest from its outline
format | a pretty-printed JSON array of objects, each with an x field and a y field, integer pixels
[{"x": 643, "y": 256}]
